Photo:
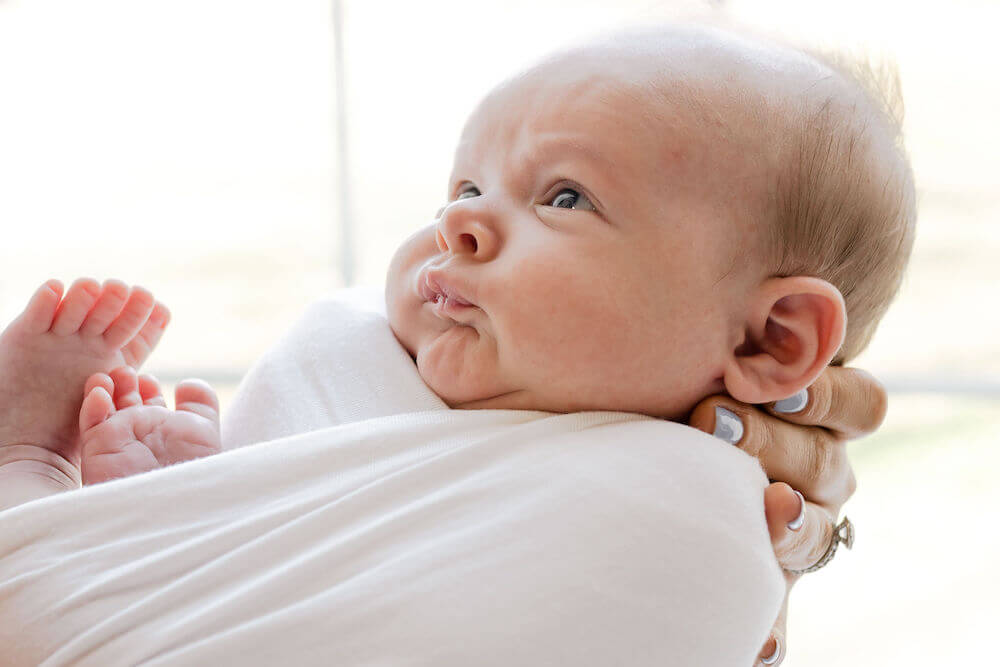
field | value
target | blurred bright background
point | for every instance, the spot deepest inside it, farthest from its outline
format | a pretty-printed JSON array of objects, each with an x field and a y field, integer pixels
[{"x": 193, "y": 147}]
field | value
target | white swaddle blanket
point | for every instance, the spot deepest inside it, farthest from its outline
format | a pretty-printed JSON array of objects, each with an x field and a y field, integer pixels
[{"x": 402, "y": 534}]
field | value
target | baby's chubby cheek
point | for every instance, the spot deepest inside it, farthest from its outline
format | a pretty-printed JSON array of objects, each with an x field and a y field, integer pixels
[
  {"x": 588, "y": 344},
  {"x": 457, "y": 362},
  {"x": 402, "y": 303}
]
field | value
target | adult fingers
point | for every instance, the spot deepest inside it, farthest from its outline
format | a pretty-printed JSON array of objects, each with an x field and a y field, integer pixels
[
  {"x": 800, "y": 530},
  {"x": 808, "y": 458},
  {"x": 773, "y": 651},
  {"x": 847, "y": 401}
]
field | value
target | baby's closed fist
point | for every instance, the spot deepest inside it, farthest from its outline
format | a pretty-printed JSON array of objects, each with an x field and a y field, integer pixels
[{"x": 126, "y": 427}]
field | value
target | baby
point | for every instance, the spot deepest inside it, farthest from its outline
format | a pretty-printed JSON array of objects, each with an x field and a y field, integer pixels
[{"x": 633, "y": 224}]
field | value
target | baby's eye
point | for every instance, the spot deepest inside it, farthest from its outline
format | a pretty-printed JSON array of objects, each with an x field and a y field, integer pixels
[
  {"x": 471, "y": 191},
  {"x": 570, "y": 198}
]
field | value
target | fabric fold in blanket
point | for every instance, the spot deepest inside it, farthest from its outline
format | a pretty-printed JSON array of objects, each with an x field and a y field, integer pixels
[{"x": 417, "y": 537}]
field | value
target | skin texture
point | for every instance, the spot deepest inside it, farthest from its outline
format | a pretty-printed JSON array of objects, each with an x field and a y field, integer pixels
[
  {"x": 126, "y": 427},
  {"x": 47, "y": 354},
  {"x": 650, "y": 292},
  {"x": 584, "y": 274}
]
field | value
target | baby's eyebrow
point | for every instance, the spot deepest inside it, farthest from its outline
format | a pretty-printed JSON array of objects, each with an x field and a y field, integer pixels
[{"x": 560, "y": 145}]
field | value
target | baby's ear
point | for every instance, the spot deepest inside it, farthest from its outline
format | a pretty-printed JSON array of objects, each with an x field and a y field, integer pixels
[{"x": 794, "y": 328}]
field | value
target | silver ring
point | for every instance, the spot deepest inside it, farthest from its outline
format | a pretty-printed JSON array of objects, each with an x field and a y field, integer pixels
[
  {"x": 773, "y": 658},
  {"x": 844, "y": 532}
]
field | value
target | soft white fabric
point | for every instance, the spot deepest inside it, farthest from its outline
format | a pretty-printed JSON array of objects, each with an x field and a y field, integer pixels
[
  {"x": 422, "y": 537},
  {"x": 339, "y": 363}
]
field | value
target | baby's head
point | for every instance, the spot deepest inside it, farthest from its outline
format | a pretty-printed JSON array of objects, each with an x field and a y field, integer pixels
[{"x": 644, "y": 221}]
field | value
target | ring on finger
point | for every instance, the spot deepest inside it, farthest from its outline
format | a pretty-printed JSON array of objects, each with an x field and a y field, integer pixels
[{"x": 844, "y": 532}]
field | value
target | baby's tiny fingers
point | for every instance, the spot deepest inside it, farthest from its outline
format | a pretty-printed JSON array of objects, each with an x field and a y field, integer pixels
[
  {"x": 97, "y": 407},
  {"x": 150, "y": 391},
  {"x": 197, "y": 396},
  {"x": 126, "y": 392}
]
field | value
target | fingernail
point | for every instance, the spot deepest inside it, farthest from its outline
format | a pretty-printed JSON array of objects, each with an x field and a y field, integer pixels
[
  {"x": 796, "y": 523},
  {"x": 773, "y": 658},
  {"x": 793, "y": 403},
  {"x": 728, "y": 425}
]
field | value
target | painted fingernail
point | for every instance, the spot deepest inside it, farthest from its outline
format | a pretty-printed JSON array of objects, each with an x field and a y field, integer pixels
[
  {"x": 728, "y": 425},
  {"x": 773, "y": 658},
  {"x": 796, "y": 523},
  {"x": 793, "y": 403}
]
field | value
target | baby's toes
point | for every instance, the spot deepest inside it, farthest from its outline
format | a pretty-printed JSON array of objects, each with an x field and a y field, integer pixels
[
  {"x": 96, "y": 409},
  {"x": 113, "y": 296},
  {"x": 149, "y": 390},
  {"x": 198, "y": 397},
  {"x": 99, "y": 380},
  {"x": 130, "y": 321},
  {"x": 126, "y": 394},
  {"x": 80, "y": 298},
  {"x": 137, "y": 350},
  {"x": 42, "y": 306}
]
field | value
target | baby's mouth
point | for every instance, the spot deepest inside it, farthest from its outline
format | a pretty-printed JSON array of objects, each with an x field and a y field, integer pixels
[
  {"x": 438, "y": 290},
  {"x": 443, "y": 294},
  {"x": 445, "y": 300},
  {"x": 451, "y": 307}
]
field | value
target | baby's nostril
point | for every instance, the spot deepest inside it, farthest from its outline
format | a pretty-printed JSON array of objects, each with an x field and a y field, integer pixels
[{"x": 470, "y": 241}]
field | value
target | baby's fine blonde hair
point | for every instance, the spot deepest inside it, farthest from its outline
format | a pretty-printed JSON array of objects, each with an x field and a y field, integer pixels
[
  {"x": 844, "y": 203},
  {"x": 825, "y": 131}
]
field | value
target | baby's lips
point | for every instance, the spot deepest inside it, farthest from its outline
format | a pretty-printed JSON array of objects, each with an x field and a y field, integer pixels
[{"x": 435, "y": 284}]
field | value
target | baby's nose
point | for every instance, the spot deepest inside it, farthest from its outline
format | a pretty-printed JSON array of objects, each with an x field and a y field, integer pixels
[
  {"x": 460, "y": 243},
  {"x": 467, "y": 230}
]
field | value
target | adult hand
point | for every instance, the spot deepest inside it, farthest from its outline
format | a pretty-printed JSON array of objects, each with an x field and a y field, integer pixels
[{"x": 800, "y": 443}]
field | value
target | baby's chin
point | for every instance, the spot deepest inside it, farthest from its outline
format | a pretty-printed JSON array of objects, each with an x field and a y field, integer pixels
[
  {"x": 462, "y": 392},
  {"x": 459, "y": 374}
]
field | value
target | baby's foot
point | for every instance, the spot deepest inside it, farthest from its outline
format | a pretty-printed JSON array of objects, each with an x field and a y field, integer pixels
[
  {"x": 126, "y": 427},
  {"x": 49, "y": 351}
]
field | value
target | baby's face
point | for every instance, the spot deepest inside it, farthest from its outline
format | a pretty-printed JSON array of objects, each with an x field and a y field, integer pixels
[{"x": 586, "y": 257}]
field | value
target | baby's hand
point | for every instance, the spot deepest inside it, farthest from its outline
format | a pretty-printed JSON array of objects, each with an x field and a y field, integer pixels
[{"x": 126, "y": 427}]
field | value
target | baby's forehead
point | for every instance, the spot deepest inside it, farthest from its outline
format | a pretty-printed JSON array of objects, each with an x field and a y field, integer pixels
[
  {"x": 694, "y": 111},
  {"x": 638, "y": 119},
  {"x": 685, "y": 77}
]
